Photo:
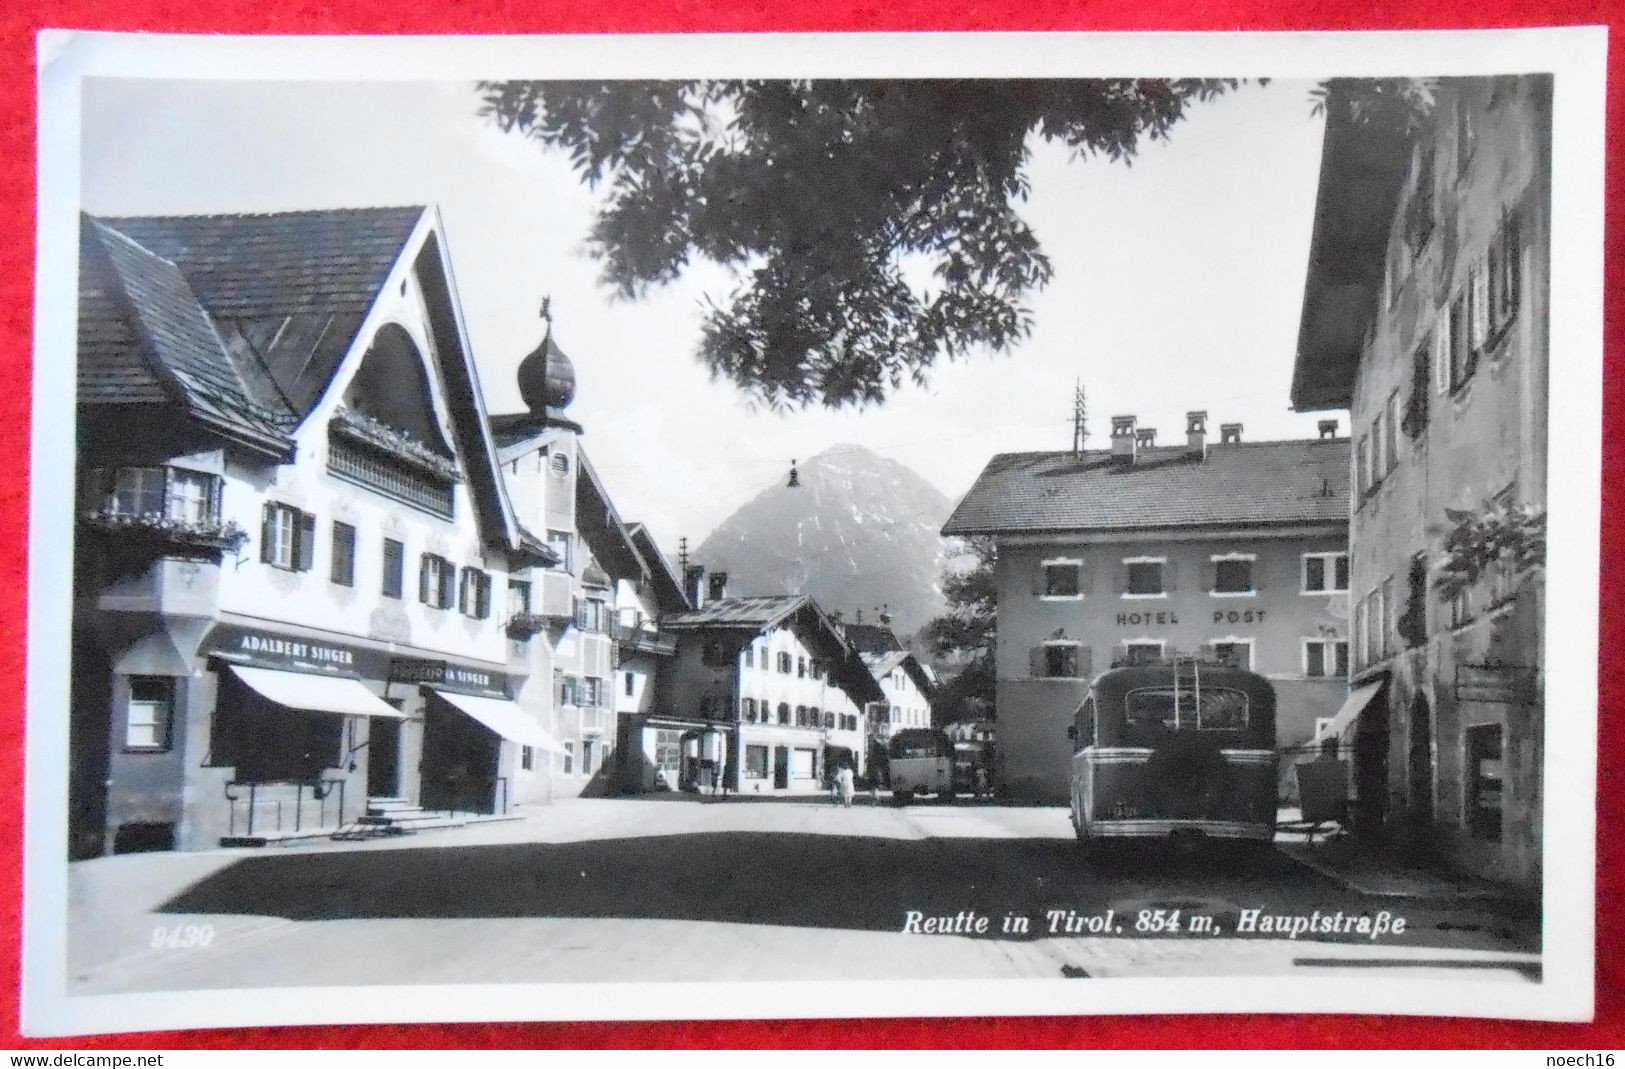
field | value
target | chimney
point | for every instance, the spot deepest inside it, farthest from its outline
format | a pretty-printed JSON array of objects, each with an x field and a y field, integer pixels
[
  {"x": 1328, "y": 428},
  {"x": 1229, "y": 433},
  {"x": 717, "y": 586},
  {"x": 1145, "y": 437},
  {"x": 1196, "y": 433},
  {"x": 1123, "y": 439},
  {"x": 694, "y": 584}
]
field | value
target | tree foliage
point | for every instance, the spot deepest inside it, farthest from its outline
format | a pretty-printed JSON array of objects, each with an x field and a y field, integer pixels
[
  {"x": 873, "y": 224},
  {"x": 966, "y": 632}
]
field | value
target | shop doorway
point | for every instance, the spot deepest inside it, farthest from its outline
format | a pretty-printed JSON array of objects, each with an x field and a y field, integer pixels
[
  {"x": 781, "y": 767},
  {"x": 460, "y": 758},
  {"x": 1371, "y": 765},
  {"x": 384, "y": 756},
  {"x": 1421, "y": 763}
]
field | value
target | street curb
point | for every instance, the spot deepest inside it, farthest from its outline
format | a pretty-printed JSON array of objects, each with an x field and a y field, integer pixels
[{"x": 1352, "y": 883}]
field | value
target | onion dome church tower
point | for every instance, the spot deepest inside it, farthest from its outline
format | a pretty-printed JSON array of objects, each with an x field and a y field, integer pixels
[{"x": 547, "y": 384}]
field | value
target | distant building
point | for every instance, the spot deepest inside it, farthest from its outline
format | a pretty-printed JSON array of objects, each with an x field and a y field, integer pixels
[
  {"x": 1233, "y": 550},
  {"x": 586, "y": 624},
  {"x": 765, "y": 691},
  {"x": 907, "y": 687},
  {"x": 1426, "y": 315}
]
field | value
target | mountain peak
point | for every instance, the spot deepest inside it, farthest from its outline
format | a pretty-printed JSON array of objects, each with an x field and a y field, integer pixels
[{"x": 860, "y": 531}]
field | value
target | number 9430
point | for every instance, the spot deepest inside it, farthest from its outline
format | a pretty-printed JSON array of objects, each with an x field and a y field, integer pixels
[{"x": 182, "y": 936}]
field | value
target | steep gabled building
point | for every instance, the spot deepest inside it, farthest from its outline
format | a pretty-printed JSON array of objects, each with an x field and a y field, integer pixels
[
  {"x": 765, "y": 691},
  {"x": 291, "y": 532}
]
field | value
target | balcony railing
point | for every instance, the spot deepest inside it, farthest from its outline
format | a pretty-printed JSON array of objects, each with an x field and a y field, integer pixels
[
  {"x": 645, "y": 640},
  {"x": 524, "y": 625}
]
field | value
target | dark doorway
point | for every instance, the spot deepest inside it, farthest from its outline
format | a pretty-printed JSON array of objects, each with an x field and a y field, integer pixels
[
  {"x": 781, "y": 767},
  {"x": 1371, "y": 766},
  {"x": 1421, "y": 763},
  {"x": 384, "y": 757},
  {"x": 459, "y": 761}
]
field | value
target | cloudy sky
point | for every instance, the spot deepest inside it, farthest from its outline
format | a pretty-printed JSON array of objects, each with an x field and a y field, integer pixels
[{"x": 1177, "y": 282}]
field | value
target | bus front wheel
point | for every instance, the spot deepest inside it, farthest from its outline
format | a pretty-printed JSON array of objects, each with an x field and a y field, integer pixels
[{"x": 903, "y": 797}]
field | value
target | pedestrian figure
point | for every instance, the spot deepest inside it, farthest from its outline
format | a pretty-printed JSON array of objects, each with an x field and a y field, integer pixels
[
  {"x": 981, "y": 782},
  {"x": 844, "y": 778}
]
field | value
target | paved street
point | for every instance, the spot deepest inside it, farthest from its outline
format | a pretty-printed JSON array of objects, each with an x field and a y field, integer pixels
[{"x": 674, "y": 889}]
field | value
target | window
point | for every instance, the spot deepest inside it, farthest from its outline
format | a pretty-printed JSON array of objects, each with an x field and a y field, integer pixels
[
  {"x": 1325, "y": 573},
  {"x": 1416, "y": 404},
  {"x": 592, "y": 614},
  {"x": 1059, "y": 660},
  {"x": 1390, "y": 432},
  {"x": 518, "y": 597},
  {"x": 137, "y": 492},
  {"x": 192, "y": 496},
  {"x": 801, "y": 716},
  {"x": 527, "y": 758},
  {"x": 148, "y": 716},
  {"x": 750, "y": 656},
  {"x": 1233, "y": 575},
  {"x": 569, "y": 688},
  {"x": 1362, "y": 467},
  {"x": 816, "y": 667},
  {"x": 559, "y": 464},
  {"x": 1389, "y": 610},
  {"x": 748, "y": 708},
  {"x": 287, "y": 538},
  {"x": 1503, "y": 271},
  {"x": 1061, "y": 579},
  {"x": 436, "y": 575},
  {"x": 1210, "y": 709},
  {"x": 1463, "y": 356},
  {"x": 755, "y": 762},
  {"x": 801, "y": 668},
  {"x": 341, "y": 570},
  {"x": 559, "y": 543},
  {"x": 784, "y": 712},
  {"x": 1142, "y": 652},
  {"x": 474, "y": 595},
  {"x": 1419, "y": 211},
  {"x": 592, "y": 692},
  {"x": 569, "y": 758},
  {"x": 1237, "y": 653},
  {"x": 1466, "y": 131},
  {"x": 786, "y": 664},
  {"x": 394, "y": 567},
  {"x": 1325, "y": 657},
  {"x": 1144, "y": 578},
  {"x": 630, "y": 684},
  {"x": 1484, "y": 781}
]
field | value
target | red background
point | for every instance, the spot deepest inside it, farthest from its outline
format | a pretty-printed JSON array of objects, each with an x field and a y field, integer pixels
[{"x": 18, "y": 22}]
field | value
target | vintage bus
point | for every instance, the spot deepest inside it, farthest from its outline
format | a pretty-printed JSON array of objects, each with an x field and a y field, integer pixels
[
  {"x": 921, "y": 761},
  {"x": 1175, "y": 748}
]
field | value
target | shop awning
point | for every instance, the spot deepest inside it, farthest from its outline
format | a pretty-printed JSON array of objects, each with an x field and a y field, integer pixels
[
  {"x": 504, "y": 717},
  {"x": 323, "y": 694},
  {"x": 1358, "y": 699}
]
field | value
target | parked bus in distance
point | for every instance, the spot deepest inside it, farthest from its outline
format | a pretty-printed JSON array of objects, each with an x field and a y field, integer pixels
[
  {"x": 921, "y": 762},
  {"x": 1175, "y": 748}
]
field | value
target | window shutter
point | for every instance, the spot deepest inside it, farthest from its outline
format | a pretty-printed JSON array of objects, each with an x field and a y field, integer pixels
[
  {"x": 216, "y": 503},
  {"x": 483, "y": 593},
  {"x": 1086, "y": 662},
  {"x": 1036, "y": 666},
  {"x": 423, "y": 578},
  {"x": 304, "y": 543},
  {"x": 1481, "y": 304},
  {"x": 1086, "y": 574},
  {"x": 267, "y": 514},
  {"x": 1441, "y": 351},
  {"x": 448, "y": 579},
  {"x": 1170, "y": 576},
  {"x": 1122, "y": 577},
  {"x": 462, "y": 592}
]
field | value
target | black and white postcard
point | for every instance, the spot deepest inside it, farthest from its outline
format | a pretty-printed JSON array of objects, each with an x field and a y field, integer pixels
[{"x": 724, "y": 527}]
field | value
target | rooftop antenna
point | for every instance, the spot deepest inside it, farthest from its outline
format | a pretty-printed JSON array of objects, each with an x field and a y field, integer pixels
[
  {"x": 682, "y": 555},
  {"x": 1080, "y": 419}
]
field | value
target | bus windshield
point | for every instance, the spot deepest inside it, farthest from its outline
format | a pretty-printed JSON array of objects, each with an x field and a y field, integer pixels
[
  {"x": 1219, "y": 709},
  {"x": 917, "y": 743}
]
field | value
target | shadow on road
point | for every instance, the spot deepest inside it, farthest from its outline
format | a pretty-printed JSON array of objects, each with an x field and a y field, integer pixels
[{"x": 781, "y": 879}]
